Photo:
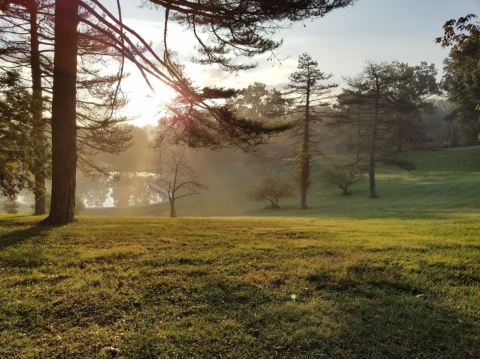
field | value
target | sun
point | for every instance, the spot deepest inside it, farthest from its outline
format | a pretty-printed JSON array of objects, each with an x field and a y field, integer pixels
[{"x": 146, "y": 106}]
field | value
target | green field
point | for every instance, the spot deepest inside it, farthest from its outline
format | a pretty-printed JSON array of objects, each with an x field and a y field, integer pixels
[
  {"x": 396, "y": 277},
  {"x": 446, "y": 181}
]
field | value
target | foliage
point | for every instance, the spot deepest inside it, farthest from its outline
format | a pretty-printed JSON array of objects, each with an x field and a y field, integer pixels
[
  {"x": 16, "y": 150},
  {"x": 258, "y": 103},
  {"x": 79, "y": 205},
  {"x": 343, "y": 175},
  {"x": 130, "y": 189},
  {"x": 403, "y": 99},
  {"x": 10, "y": 206},
  {"x": 462, "y": 71},
  {"x": 271, "y": 189}
]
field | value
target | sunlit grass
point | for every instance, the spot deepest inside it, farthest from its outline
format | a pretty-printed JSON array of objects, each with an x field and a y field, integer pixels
[{"x": 241, "y": 287}]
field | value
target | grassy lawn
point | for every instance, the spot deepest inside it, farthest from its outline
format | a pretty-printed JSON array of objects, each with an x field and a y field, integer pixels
[{"x": 326, "y": 287}]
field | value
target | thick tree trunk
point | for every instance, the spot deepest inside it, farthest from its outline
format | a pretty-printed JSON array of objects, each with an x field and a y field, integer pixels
[
  {"x": 38, "y": 130},
  {"x": 172, "y": 208},
  {"x": 64, "y": 129},
  {"x": 305, "y": 155},
  {"x": 373, "y": 144}
]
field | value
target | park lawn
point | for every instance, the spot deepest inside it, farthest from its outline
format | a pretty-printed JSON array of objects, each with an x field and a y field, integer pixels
[{"x": 326, "y": 287}]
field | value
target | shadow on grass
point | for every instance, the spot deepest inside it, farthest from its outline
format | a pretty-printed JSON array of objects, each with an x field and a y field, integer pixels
[
  {"x": 365, "y": 314},
  {"x": 34, "y": 229},
  {"x": 379, "y": 314}
]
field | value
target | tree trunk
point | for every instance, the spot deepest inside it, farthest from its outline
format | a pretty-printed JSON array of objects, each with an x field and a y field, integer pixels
[
  {"x": 373, "y": 144},
  {"x": 64, "y": 129},
  {"x": 172, "y": 208},
  {"x": 305, "y": 154},
  {"x": 357, "y": 141},
  {"x": 38, "y": 130}
]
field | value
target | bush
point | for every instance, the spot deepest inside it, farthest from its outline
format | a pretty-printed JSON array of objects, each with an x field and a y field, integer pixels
[
  {"x": 343, "y": 176},
  {"x": 79, "y": 205},
  {"x": 10, "y": 207},
  {"x": 271, "y": 189}
]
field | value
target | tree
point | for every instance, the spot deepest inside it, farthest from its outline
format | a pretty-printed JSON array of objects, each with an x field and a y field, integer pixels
[
  {"x": 391, "y": 96},
  {"x": 97, "y": 98},
  {"x": 342, "y": 175},
  {"x": 16, "y": 147},
  {"x": 22, "y": 16},
  {"x": 272, "y": 190},
  {"x": 64, "y": 126},
  {"x": 373, "y": 88},
  {"x": 353, "y": 121},
  {"x": 132, "y": 189},
  {"x": 411, "y": 90},
  {"x": 177, "y": 178},
  {"x": 307, "y": 90},
  {"x": 258, "y": 103},
  {"x": 462, "y": 71},
  {"x": 238, "y": 28}
]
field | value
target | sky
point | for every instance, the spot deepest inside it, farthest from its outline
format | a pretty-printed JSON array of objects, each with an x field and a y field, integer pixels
[{"x": 341, "y": 42}]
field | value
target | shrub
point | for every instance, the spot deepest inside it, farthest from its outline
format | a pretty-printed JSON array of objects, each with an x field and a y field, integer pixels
[
  {"x": 10, "y": 207},
  {"x": 343, "y": 176},
  {"x": 271, "y": 189}
]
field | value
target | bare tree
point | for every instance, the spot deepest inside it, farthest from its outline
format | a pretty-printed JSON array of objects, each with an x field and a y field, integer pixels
[{"x": 178, "y": 178}]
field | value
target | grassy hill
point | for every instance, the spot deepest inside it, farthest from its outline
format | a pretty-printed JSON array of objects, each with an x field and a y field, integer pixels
[{"x": 444, "y": 181}]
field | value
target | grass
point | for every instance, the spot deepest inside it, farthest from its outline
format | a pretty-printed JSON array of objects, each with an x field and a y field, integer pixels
[
  {"x": 241, "y": 288},
  {"x": 396, "y": 277}
]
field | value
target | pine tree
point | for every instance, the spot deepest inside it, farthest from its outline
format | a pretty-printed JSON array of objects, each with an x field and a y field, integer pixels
[
  {"x": 308, "y": 90},
  {"x": 16, "y": 146}
]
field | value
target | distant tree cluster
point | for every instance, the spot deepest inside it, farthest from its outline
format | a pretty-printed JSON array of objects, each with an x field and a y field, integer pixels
[{"x": 461, "y": 80}]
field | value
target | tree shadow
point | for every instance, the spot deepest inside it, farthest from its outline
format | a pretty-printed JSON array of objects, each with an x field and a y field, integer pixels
[
  {"x": 34, "y": 229},
  {"x": 385, "y": 317}
]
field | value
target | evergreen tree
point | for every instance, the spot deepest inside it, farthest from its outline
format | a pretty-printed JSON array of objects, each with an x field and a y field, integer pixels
[
  {"x": 16, "y": 146},
  {"x": 307, "y": 90},
  {"x": 98, "y": 97}
]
